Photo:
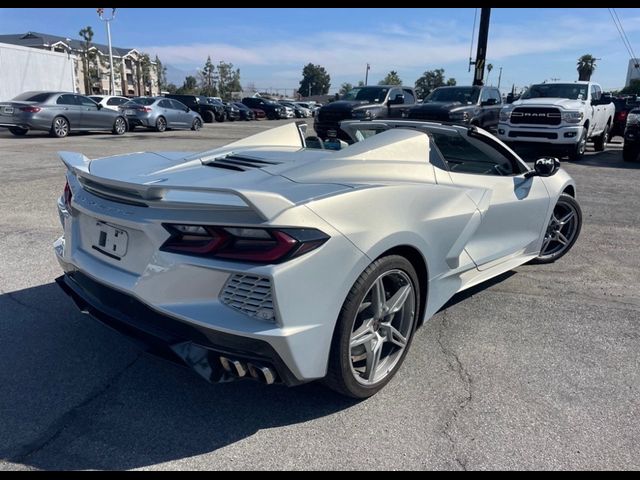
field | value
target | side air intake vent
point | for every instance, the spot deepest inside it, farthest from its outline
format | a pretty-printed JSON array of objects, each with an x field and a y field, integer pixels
[{"x": 239, "y": 163}]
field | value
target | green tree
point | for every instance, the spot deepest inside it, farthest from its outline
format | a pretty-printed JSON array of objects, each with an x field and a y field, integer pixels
[
  {"x": 315, "y": 81},
  {"x": 189, "y": 87},
  {"x": 360, "y": 83},
  {"x": 632, "y": 89},
  {"x": 392, "y": 78},
  {"x": 228, "y": 79},
  {"x": 144, "y": 74},
  {"x": 88, "y": 56},
  {"x": 208, "y": 79},
  {"x": 161, "y": 71},
  {"x": 345, "y": 88},
  {"x": 586, "y": 66},
  {"x": 171, "y": 88},
  {"x": 430, "y": 80}
]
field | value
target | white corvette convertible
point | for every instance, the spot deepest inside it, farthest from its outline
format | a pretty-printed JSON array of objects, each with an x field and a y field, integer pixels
[{"x": 271, "y": 260}]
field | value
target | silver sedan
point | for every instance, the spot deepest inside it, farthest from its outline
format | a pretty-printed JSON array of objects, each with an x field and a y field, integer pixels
[
  {"x": 160, "y": 113},
  {"x": 58, "y": 113}
]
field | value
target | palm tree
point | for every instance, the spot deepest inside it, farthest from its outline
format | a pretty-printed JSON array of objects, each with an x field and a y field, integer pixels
[
  {"x": 489, "y": 68},
  {"x": 586, "y": 65},
  {"x": 87, "y": 34}
]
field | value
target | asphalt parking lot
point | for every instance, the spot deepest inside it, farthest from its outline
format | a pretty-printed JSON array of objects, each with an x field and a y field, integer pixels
[{"x": 539, "y": 369}]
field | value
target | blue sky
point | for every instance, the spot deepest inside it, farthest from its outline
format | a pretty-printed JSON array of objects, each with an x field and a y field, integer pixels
[{"x": 270, "y": 46}]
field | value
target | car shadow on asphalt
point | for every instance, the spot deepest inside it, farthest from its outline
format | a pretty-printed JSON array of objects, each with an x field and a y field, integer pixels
[{"x": 78, "y": 396}]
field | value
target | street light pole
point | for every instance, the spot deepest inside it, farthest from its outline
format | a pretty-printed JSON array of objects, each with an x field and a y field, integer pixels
[
  {"x": 112, "y": 83},
  {"x": 366, "y": 74}
]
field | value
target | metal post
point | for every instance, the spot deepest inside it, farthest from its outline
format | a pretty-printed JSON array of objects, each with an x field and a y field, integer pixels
[
  {"x": 112, "y": 83},
  {"x": 481, "y": 55},
  {"x": 366, "y": 74},
  {"x": 499, "y": 78}
]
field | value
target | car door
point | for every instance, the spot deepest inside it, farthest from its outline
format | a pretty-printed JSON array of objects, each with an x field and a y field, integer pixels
[
  {"x": 92, "y": 115},
  {"x": 596, "y": 109},
  {"x": 68, "y": 107},
  {"x": 394, "y": 110},
  {"x": 513, "y": 208},
  {"x": 182, "y": 113}
]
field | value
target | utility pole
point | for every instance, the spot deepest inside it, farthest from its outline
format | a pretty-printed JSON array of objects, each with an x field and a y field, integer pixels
[
  {"x": 366, "y": 74},
  {"x": 499, "y": 78},
  {"x": 112, "y": 83},
  {"x": 481, "y": 55}
]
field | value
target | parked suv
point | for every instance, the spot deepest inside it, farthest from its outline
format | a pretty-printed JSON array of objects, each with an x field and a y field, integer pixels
[
  {"x": 475, "y": 105},
  {"x": 631, "y": 149},
  {"x": 560, "y": 116},
  {"x": 273, "y": 110},
  {"x": 363, "y": 103},
  {"x": 201, "y": 105}
]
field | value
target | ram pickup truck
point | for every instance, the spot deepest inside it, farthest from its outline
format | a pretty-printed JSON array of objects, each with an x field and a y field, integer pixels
[
  {"x": 563, "y": 116},
  {"x": 363, "y": 103}
]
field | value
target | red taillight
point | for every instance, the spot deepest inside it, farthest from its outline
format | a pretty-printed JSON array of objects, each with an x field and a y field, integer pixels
[
  {"x": 30, "y": 109},
  {"x": 145, "y": 109},
  {"x": 67, "y": 195},
  {"x": 621, "y": 116},
  {"x": 259, "y": 245}
]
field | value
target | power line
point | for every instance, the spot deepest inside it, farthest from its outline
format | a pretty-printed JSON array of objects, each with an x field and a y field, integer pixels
[
  {"x": 473, "y": 34},
  {"x": 623, "y": 37}
]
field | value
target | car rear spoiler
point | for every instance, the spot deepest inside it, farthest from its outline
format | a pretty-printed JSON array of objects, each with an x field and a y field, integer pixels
[{"x": 266, "y": 205}]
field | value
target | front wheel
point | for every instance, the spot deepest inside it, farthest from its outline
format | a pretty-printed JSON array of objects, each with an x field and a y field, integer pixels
[
  {"x": 119, "y": 126},
  {"x": 375, "y": 328},
  {"x": 18, "y": 132},
  {"x": 577, "y": 151},
  {"x": 196, "y": 125},
  {"x": 562, "y": 231},
  {"x": 60, "y": 127},
  {"x": 220, "y": 117}
]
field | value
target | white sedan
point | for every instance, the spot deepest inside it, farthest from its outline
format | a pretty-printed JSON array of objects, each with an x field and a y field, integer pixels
[
  {"x": 270, "y": 260},
  {"x": 109, "y": 101}
]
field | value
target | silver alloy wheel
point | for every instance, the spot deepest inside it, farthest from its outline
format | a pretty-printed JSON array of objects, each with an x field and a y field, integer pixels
[
  {"x": 60, "y": 127},
  {"x": 582, "y": 146},
  {"x": 197, "y": 124},
  {"x": 382, "y": 327},
  {"x": 561, "y": 230},
  {"x": 161, "y": 124},
  {"x": 121, "y": 126}
]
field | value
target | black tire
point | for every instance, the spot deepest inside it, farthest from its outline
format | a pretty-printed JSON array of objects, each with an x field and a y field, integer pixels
[
  {"x": 60, "y": 127},
  {"x": 208, "y": 116},
  {"x": 600, "y": 142},
  {"x": 630, "y": 153},
  {"x": 161, "y": 124},
  {"x": 564, "y": 202},
  {"x": 340, "y": 376},
  {"x": 119, "y": 126},
  {"x": 18, "y": 132},
  {"x": 577, "y": 151},
  {"x": 196, "y": 125}
]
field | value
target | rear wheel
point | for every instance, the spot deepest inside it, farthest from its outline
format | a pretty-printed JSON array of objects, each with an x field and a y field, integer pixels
[
  {"x": 208, "y": 116},
  {"x": 577, "y": 151},
  {"x": 60, "y": 127},
  {"x": 562, "y": 231},
  {"x": 119, "y": 126},
  {"x": 18, "y": 132},
  {"x": 600, "y": 142},
  {"x": 375, "y": 328},
  {"x": 630, "y": 152},
  {"x": 161, "y": 124},
  {"x": 220, "y": 117}
]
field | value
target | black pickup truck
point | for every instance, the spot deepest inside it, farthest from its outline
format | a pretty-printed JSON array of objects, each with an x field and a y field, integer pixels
[
  {"x": 364, "y": 103},
  {"x": 479, "y": 106},
  {"x": 200, "y": 104}
]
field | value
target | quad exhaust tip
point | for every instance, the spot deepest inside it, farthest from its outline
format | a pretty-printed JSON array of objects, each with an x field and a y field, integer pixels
[{"x": 258, "y": 372}]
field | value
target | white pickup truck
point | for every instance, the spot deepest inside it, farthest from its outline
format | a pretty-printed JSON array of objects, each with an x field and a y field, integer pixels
[{"x": 561, "y": 115}]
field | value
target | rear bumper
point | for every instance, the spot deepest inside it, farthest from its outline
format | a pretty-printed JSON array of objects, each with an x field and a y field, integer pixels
[{"x": 192, "y": 345}]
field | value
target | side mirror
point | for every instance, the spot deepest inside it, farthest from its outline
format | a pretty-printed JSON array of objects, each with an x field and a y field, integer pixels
[
  {"x": 186, "y": 109},
  {"x": 544, "y": 167},
  {"x": 397, "y": 100},
  {"x": 99, "y": 106}
]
